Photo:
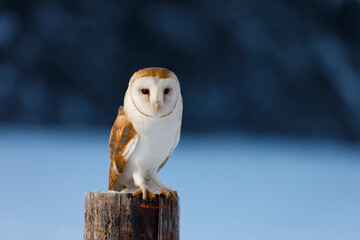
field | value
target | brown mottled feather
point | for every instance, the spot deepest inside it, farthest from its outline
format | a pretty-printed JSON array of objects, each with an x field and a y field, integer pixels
[
  {"x": 160, "y": 73},
  {"x": 121, "y": 134}
]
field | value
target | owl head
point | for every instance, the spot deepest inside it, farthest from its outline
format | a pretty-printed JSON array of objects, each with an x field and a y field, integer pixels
[{"x": 154, "y": 91}]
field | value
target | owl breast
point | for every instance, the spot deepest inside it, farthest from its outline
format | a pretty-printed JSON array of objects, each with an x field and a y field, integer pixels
[
  {"x": 157, "y": 137},
  {"x": 154, "y": 145}
]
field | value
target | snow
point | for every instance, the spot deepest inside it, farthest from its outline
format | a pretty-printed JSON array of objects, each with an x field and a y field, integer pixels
[{"x": 230, "y": 186}]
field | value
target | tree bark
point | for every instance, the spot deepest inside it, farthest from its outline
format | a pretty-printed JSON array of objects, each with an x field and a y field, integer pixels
[{"x": 122, "y": 216}]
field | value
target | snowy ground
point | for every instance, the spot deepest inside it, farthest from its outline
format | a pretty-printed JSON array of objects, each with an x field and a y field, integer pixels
[{"x": 231, "y": 187}]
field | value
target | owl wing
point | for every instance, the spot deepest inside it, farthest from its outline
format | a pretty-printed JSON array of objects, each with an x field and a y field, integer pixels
[
  {"x": 177, "y": 138},
  {"x": 122, "y": 142}
]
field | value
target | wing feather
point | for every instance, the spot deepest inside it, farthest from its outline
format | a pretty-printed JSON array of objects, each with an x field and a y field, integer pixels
[{"x": 122, "y": 142}]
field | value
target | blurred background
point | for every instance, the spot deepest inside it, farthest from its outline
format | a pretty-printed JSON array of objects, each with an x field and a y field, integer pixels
[{"x": 271, "y": 91}]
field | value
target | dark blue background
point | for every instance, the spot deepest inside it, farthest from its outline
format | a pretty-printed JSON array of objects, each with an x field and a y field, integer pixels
[{"x": 278, "y": 67}]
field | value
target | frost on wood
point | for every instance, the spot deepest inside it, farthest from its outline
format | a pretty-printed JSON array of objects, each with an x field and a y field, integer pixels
[{"x": 118, "y": 216}]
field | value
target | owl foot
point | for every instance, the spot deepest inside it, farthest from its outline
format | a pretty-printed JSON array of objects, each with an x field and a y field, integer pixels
[
  {"x": 168, "y": 193},
  {"x": 145, "y": 193}
]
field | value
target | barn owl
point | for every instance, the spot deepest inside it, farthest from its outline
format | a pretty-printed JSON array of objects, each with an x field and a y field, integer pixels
[{"x": 145, "y": 133}]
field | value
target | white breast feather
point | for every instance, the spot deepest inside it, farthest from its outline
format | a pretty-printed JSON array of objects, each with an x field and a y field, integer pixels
[{"x": 157, "y": 138}]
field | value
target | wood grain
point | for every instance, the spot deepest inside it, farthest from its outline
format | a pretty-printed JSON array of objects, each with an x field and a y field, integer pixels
[{"x": 121, "y": 216}]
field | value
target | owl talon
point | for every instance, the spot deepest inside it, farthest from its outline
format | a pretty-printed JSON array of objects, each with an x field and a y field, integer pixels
[
  {"x": 150, "y": 194},
  {"x": 168, "y": 193},
  {"x": 138, "y": 192},
  {"x": 165, "y": 192},
  {"x": 145, "y": 193}
]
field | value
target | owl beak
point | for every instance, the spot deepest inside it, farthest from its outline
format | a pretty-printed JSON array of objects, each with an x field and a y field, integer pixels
[{"x": 156, "y": 105}]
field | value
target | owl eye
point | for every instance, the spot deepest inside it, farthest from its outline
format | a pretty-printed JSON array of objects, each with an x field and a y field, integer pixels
[
  {"x": 145, "y": 91},
  {"x": 166, "y": 91}
]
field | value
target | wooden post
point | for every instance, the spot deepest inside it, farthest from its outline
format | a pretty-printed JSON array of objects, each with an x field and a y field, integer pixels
[{"x": 122, "y": 216}]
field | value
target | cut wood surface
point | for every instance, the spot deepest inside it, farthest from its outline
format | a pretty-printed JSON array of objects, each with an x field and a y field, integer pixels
[{"x": 118, "y": 216}]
